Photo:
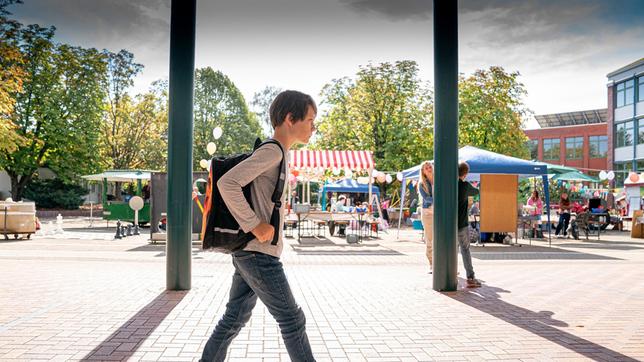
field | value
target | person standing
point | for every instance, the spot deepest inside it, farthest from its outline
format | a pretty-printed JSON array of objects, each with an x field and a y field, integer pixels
[
  {"x": 465, "y": 190},
  {"x": 258, "y": 269},
  {"x": 564, "y": 215},
  {"x": 426, "y": 191},
  {"x": 536, "y": 210}
]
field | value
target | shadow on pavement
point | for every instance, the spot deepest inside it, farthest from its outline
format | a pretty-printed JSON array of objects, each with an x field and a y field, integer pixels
[
  {"x": 532, "y": 252},
  {"x": 603, "y": 244},
  {"x": 488, "y": 300},
  {"x": 122, "y": 344},
  {"x": 346, "y": 249}
]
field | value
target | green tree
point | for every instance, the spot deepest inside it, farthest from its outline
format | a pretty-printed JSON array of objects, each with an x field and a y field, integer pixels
[
  {"x": 386, "y": 109},
  {"x": 218, "y": 102},
  {"x": 11, "y": 75},
  {"x": 491, "y": 112},
  {"x": 261, "y": 104},
  {"x": 119, "y": 128},
  {"x": 58, "y": 112},
  {"x": 151, "y": 115}
]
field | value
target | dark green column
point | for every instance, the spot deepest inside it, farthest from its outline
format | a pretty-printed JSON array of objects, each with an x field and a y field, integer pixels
[
  {"x": 445, "y": 143},
  {"x": 182, "y": 64}
]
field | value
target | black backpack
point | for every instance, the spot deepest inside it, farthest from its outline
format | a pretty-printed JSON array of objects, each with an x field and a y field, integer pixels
[{"x": 220, "y": 231}]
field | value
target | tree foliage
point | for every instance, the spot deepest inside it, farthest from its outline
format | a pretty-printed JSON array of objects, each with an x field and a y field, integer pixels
[
  {"x": 12, "y": 73},
  {"x": 491, "y": 112},
  {"x": 58, "y": 112},
  {"x": 218, "y": 102},
  {"x": 134, "y": 127},
  {"x": 261, "y": 104},
  {"x": 386, "y": 109}
]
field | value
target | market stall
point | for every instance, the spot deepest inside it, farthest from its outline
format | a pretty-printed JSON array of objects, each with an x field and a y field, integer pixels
[
  {"x": 494, "y": 170},
  {"x": 116, "y": 209},
  {"x": 311, "y": 164}
]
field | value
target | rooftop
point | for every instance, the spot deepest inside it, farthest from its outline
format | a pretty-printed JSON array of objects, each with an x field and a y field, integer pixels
[
  {"x": 572, "y": 118},
  {"x": 634, "y": 64}
]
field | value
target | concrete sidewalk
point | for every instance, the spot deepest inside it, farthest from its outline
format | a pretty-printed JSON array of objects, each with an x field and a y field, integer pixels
[{"x": 75, "y": 299}]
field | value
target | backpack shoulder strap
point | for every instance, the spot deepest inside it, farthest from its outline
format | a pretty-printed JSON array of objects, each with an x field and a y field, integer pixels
[{"x": 276, "y": 198}]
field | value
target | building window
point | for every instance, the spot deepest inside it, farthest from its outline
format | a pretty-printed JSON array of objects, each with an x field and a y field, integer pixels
[
  {"x": 551, "y": 149},
  {"x": 626, "y": 93},
  {"x": 533, "y": 146},
  {"x": 598, "y": 146},
  {"x": 640, "y": 165},
  {"x": 624, "y": 134},
  {"x": 640, "y": 131},
  {"x": 621, "y": 172},
  {"x": 640, "y": 91},
  {"x": 574, "y": 148}
]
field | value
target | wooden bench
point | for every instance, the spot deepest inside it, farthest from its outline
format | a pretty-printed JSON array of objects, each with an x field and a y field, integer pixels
[{"x": 334, "y": 223}]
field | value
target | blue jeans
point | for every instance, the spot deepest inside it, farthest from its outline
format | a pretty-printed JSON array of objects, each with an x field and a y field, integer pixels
[
  {"x": 260, "y": 275},
  {"x": 564, "y": 220},
  {"x": 464, "y": 244}
]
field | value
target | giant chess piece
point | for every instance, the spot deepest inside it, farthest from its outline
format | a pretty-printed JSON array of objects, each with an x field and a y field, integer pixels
[
  {"x": 129, "y": 230},
  {"x": 136, "y": 230},
  {"x": 59, "y": 224},
  {"x": 118, "y": 230}
]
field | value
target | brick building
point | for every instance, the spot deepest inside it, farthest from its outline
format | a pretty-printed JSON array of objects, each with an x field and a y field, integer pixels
[
  {"x": 626, "y": 119},
  {"x": 576, "y": 139}
]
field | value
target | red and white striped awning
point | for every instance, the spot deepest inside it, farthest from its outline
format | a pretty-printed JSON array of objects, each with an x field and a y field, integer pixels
[{"x": 354, "y": 160}]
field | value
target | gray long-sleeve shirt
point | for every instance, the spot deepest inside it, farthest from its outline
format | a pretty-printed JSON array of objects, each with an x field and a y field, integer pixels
[{"x": 261, "y": 168}]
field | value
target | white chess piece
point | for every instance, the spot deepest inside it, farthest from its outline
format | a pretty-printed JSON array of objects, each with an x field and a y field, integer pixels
[
  {"x": 59, "y": 224},
  {"x": 49, "y": 230}
]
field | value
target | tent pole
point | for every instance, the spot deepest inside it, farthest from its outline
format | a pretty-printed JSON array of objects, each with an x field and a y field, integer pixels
[
  {"x": 546, "y": 191},
  {"x": 402, "y": 201},
  {"x": 370, "y": 171}
]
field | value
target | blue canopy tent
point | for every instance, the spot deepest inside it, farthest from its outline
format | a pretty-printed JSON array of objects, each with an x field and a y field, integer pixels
[
  {"x": 347, "y": 185},
  {"x": 487, "y": 162}
]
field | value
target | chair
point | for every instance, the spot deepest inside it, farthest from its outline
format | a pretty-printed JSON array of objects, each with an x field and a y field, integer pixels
[{"x": 321, "y": 226}]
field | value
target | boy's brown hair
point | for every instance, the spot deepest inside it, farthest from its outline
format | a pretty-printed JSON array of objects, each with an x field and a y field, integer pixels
[
  {"x": 293, "y": 102},
  {"x": 463, "y": 169}
]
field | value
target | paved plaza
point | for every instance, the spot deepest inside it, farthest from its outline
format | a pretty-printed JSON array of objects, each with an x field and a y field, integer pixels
[{"x": 83, "y": 296}]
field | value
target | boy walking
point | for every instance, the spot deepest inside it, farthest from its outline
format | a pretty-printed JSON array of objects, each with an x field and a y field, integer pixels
[
  {"x": 465, "y": 190},
  {"x": 258, "y": 270}
]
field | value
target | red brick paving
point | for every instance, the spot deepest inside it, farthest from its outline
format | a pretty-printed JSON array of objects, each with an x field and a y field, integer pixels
[{"x": 71, "y": 299}]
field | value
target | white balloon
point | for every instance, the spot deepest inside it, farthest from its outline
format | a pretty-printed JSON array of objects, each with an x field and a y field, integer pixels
[
  {"x": 217, "y": 132},
  {"x": 211, "y": 148},
  {"x": 610, "y": 176},
  {"x": 399, "y": 176},
  {"x": 375, "y": 173},
  {"x": 203, "y": 164},
  {"x": 602, "y": 175},
  {"x": 336, "y": 171},
  {"x": 348, "y": 173},
  {"x": 388, "y": 178}
]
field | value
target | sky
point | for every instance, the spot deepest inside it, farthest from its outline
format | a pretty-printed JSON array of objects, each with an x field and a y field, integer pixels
[{"x": 562, "y": 49}]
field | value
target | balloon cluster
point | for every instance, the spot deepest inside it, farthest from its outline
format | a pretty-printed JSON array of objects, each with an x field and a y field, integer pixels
[
  {"x": 211, "y": 147},
  {"x": 603, "y": 175}
]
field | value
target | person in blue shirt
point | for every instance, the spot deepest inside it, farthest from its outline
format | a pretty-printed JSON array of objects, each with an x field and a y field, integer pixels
[{"x": 426, "y": 191}]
